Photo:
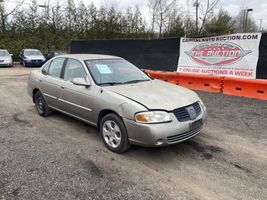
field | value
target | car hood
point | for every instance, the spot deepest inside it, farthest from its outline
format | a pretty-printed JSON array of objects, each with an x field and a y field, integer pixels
[
  {"x": 157, "y": 94},
  {"x": 5, "y": 58},
  {"x": 35, "y": 57}
]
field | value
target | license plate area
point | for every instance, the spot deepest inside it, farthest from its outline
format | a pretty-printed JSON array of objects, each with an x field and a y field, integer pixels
[{"x": 196, "y": 124}]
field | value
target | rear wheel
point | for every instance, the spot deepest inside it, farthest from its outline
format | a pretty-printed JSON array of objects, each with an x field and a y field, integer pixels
[
  {"x": 114, "y": 133},
  {"x": 41, "y": 105}
]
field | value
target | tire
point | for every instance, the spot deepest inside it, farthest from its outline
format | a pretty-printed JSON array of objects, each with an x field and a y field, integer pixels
[
  {"x": 41, "y": 105},
  {"x": 114, "y": 133}
]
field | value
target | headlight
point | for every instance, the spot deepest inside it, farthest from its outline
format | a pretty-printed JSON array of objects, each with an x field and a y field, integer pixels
[
  {"x": 153, "y": 117},
  {"x": 27, "y": 59}
]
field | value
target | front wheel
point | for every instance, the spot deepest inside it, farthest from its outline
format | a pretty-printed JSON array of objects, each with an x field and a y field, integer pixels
[
  {"x": 41, "y": 105},
  {"x": 114, "y": 133}
]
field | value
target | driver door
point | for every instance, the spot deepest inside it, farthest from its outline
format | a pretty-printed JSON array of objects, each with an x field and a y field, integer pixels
[{"x": 76, "y": 100}]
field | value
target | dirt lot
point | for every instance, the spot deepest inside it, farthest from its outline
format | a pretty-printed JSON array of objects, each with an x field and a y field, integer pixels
[{"x": 61, "y": 158}]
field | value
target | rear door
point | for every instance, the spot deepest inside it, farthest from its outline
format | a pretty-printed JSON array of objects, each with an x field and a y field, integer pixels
[
  {"x": 49, "y": 82},
  {"x": 76, "y": 100}
]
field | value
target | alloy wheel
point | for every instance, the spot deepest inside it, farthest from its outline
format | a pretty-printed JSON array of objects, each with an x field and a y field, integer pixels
[{"x": 112, "y": 133}]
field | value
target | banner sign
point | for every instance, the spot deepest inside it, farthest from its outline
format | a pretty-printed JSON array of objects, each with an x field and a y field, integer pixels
[{"x": 229, "y": 55}]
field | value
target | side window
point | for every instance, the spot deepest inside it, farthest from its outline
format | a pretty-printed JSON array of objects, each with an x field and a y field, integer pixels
[
  {"x": 45, "y": 69},
  {"x": 55, "y": 67},
  {"x": 74, "y": 69}
]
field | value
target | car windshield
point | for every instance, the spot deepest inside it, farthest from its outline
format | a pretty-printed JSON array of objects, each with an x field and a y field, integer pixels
[
  {"x": 33, "y": 53},
  {"x": 58, "y": 53},
  {"x": 4, "y": 53},
  {"x": 115, "y": 71}
]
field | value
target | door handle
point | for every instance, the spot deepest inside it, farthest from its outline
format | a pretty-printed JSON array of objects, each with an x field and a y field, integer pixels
[{"x": 62, "y": 87}]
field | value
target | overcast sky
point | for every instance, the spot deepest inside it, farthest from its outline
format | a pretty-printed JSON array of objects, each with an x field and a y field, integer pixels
[{"x": 232, "y": 6}]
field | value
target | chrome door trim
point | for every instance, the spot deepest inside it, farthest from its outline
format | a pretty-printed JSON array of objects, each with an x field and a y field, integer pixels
[
  {"x": 48, "y": 95},
  {"x": 73, "y": 104}
]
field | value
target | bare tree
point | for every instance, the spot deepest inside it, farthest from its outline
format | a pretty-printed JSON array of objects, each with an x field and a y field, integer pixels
[
  {"x": 33, "y": 15},
  {"x": 160, "y": 10},
  {"x": 4, "y": 13},
  {"x": 70, "y": 13},
  {"x": 152, "y": 5},
  {"x": 239, "y": 22},
  {"x": 206, "y": 9},
  {"x": 57, "y": 16},
  {"x": 173, "y": 18}
]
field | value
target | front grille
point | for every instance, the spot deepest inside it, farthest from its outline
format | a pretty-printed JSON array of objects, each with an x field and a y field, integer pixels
[
  {"x": 182, "y": 114},
  {"x": 36, "y": 61},
  {"x": 183, "y": 136}
]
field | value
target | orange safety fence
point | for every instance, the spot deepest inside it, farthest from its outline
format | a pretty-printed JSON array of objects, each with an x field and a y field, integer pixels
[
  {"x": 232, "y": 86},
  {"x": 171, "y": 77},
  {"x": 245, "y": 87},
  {"x": 201, "y": 82}
]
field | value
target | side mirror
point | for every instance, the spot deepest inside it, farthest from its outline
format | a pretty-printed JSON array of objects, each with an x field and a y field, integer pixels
[
  {"x": 11, "y": 55},
  {"x": 44, "y": 72},
  {"x": 80, "y": 82}
]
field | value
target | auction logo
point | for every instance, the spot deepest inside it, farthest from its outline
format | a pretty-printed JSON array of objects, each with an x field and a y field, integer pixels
[{"x": 217, "y": 53}]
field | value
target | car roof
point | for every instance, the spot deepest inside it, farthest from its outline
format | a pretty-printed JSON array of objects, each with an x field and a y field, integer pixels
[
  {"x": 89, "y": 56},
  {"x": 3, "y": 50},
  {"x": 31, "y": 49},
  {"x": 56, "y": 52}
]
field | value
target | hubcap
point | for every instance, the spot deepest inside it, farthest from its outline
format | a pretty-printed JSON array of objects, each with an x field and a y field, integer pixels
[{"x": 112, "y": 134}]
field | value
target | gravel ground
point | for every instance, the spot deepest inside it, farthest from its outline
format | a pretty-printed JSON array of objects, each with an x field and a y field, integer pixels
[{"x": 61, "y": 158}]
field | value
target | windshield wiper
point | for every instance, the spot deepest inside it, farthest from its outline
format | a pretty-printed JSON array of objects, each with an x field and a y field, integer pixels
[
  {"x": 111, "y": 83},
  {"x": 136, "y": 81},
  {"x": 119, "y": 83}
]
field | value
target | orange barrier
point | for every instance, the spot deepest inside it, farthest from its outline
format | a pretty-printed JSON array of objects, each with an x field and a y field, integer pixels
[
  {"x": 201, "y": 82},
  {"x": 171, "y": 77},
  {"x": 245, "y": 87},
  {"x": 233, "y": 86}
]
